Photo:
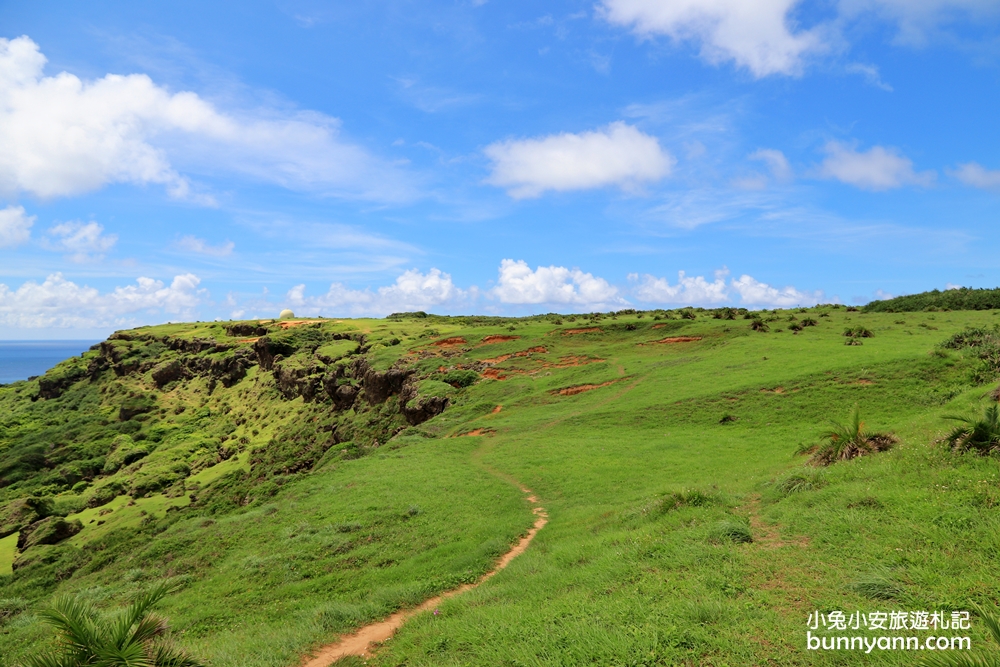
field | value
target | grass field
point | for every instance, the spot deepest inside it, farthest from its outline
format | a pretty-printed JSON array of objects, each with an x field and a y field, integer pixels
[{"x": 657, "y": 446}]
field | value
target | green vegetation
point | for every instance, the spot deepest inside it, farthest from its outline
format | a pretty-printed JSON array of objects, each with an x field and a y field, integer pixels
[
  {"x": 963, "y": 298},
  {"x": 292, "y": 481},
  {"x": 132, "y": 637}
]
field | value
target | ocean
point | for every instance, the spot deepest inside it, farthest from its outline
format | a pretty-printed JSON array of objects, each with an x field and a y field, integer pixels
[{"x": 21, "y": 359}]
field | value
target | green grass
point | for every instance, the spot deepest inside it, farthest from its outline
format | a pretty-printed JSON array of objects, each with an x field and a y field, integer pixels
[
  {"x": 675, "y": 536},
  {"x": 8, "y": 548}
]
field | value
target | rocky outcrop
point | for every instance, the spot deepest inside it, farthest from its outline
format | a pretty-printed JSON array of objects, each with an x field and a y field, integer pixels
[
  {"x": 168, "y": 372},
  {"x": 22, "y": 512},
  {"x": 246, "y": 329},
  {"x": 417, "y": 409},
  {"x": 53, "y": 385},
  {"x": 49, "y": 530},
  {"x": 378, "y": 387}
]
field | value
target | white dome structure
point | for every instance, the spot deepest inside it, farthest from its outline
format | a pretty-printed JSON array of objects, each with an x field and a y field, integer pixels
[{"x": 286, "y": 314}]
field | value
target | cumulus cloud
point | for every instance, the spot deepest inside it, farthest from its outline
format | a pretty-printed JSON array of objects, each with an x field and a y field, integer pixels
[
  {"x": 412, "y": 291},
  {"x": 61, "y": 303},
  {"x": 878, "y": 168},
  {"x": 978, "y": 177},
  {"x": 697, "y": 291},
  {"x": 61, "y": 136},
  {"x": 618, "y": 154},
  {"x": 15, "y": 226},
  {"x": 81, "y": 241},
  {"x": 555, "y": 285},
  {"x": 203, "y": 247},
  {"x": 755, "y": 293},
  {"x": 756, "y": 35},
  {"x": 688, "y": 291}
]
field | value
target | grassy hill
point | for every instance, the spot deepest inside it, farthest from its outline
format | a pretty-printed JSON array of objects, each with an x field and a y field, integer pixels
[{"x": 296, "y": 480}]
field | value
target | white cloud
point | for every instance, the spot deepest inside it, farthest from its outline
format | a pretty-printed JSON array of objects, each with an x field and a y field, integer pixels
[
  {"x": 616, "y": 155},
  {"x": 412, "y": 291},
  {"x": 62, "y": 136},
  {"x": 757, "y": 35},
  {"x": 202, "y": 247},
  {"x": 975, "y": 175},
  {"x": 919, "y": 20},
  {"x": 689, "y": 291},
  {"x": 555, "y": 285},
  {"x": 878, "y": 168},
  {"x": 15, "y": 226},
  {"x": 871, "y": 75},
  {"x": 61, "y": 303},
  {"x": 82, "y": 242},
  {"x": 775, "y": 161},
  {"x": 755, "y": 293}
]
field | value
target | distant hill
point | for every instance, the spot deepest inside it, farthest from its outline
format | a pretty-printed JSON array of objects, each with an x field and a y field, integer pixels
[{"x": 963, "y": 298}]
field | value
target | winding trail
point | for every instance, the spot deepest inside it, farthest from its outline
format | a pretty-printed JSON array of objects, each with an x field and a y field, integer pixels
[{"x": 361, "y": 642}]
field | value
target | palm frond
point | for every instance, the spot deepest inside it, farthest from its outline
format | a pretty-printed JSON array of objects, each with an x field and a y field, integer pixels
[
  {"x": 166, "y": 655},
  {"x": 135, "y": 612},
  {"x": 990, "y": 619},
  {"x": 75, "y": 622}
]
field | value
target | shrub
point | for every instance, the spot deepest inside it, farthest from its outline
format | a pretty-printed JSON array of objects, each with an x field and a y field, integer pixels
[
  {"x": 688, "y": 498},
  {"x": 980, "y": 434},
  {"x": 759, "y": 325},
  {"x": 732, "y": 531},
  {"x": 858, "y": 332},
  {"x": 850, "y": 440},
  {"x": 134, "y": 636},
  {"x": 460, "y": 378}
]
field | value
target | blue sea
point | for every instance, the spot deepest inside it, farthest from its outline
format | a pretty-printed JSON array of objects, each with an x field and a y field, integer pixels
[{"x": 21, "y": 359}]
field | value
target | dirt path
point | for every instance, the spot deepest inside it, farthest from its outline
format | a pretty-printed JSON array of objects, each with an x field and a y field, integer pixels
[{"x": 361, "y": 642}]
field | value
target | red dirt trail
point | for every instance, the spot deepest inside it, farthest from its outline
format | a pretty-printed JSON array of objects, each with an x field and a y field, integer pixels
[
  {"x": 580, "y": 388},
  {"x": 361, "y": 642}
]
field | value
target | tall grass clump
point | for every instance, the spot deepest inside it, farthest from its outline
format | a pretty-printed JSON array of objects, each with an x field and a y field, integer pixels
[
  {"x": 978, "y": 433},
  {"x": 954, "y": 659},
  {"x": 844, "y": 441},
  {"x": 984, "y": 344}
]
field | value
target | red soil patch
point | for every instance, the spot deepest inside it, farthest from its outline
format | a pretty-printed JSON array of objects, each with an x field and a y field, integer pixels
[
  {"x": 658, "y": 326},
  {"x": 675, "y": 339},
  {"x": 248, "y": 340},
  {"x": 288, "y": 324},
  {"x": 865, "y": 382},
  {"x": 496, "y": 409},
  {"x": 580, "y": 388},
  {"x": 449, "y": 342},
  {"x": 477, "y": 431},
  {"x": 776, "y": 390},
  {"x": 489, "y": 340},
  {"x": 568, "y": 362},
  {"x": 498, "y": 374},
  {"x": 572, "y": 332},
  {"x": 522, "y": 353},
  {"x": 360, "y": 643}
]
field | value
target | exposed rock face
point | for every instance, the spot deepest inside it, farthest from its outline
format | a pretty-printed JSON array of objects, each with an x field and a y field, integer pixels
[
  {"x": 50, "y": 530},
  {"x": 380, "y": 386},
  {"x": 417, "y": 410},
  {"x": 244, "y": 329},
  {"x": 168, "y": 372},
  {"x": 22, "y": 512}
]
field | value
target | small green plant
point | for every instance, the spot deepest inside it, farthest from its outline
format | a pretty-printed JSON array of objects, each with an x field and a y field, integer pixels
[
  {"x": 797, "y": 483},
  {"x": 980, "y": 434},
  {"x": 688, "y": 498},
  {"x": 992, "y": 622},
  {"x": 849, "y": 440},
  {"x": 732, "y": 531},
  {"x": 132, "y": 637},
  {"x": 808, "y": 322},
  {"x": 758, "y": 324},
  {"x": 877, "y": 585},
  {"x": 858, "y": 332}
]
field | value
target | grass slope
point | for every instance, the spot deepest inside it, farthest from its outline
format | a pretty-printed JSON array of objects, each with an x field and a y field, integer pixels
[{"x": 659, "y": 447}]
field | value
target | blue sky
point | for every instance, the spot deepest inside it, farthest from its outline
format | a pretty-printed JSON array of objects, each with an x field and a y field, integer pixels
[{"x": 170, "y": 161}]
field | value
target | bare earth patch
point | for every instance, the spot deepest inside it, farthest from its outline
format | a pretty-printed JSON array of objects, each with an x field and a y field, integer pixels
[
  {"x": 490, "y": 340},
  {"x": 496, "y": 409},
  {"x": 288, "y": 324},
  {"x": 573, "y": 332},
  {"x": 449, "y": 342},
  {"x": 673, "y": 339},
  {"x": 477, "y": 431},
  {"x": 361, "y": 642},
  {"x": 580, "y": 388},
  {"x": 523, "y": 353}
]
